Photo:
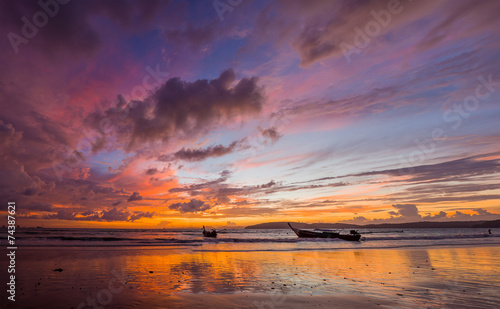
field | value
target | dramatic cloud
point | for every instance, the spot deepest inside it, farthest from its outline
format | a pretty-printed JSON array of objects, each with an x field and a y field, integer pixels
[
  {"x": 272, "y": 134},
  {"x": 480, "y": 214},
  {"x": 407, "y": 211},
  {"x": 135, "y": 197},
  {"x": 336, "y": 28},
  {"x": 200, "y": 154},
  {"x": 222, "y": 191},
  {"x": 325, "y": 35},
  {"x": 312, "y": 95},
  {"x": 440, "y": 215},
  {"x": 410, "y": 213},
  {"x": 152, "y": 171},
  {"x": 267, "y": 185},
  {"x": 183, "y": 108},
  {"x": 64, "y": 214},
  {"x": 460, "y": 169},
  {"x": 111, "y": 215},
  {"x": 138, "y": 215},
  {"x": 191, "y": 206},
  {"x": 224, "y": 175},
  {"x": 37, "y": 206},
  {"x": 71, "y": 29},
  {"x": 8, "y": 135},
  {"x": 456, "y": 169}
]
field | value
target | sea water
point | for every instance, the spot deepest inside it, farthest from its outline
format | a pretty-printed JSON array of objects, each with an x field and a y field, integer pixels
[{"x": 251, "y": 239}]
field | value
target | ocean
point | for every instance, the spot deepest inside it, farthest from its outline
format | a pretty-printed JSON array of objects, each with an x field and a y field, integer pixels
[
  {"x": 167, "y": 268},
  {"x": 249, "y": 239}
]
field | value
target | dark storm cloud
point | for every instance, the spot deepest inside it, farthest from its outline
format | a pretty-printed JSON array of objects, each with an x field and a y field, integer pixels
[
  {"x": 182, "y": 109},
  {"x": 193, "y": 205}
]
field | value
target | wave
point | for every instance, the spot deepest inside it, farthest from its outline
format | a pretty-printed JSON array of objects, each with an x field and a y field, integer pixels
[
  {"x": 253, "y": 240},
  {"x": 82, "y": 238},
  {"x": 201, "y": 240}
]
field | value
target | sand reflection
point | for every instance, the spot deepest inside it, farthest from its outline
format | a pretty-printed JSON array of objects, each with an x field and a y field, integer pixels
[{"x": 417, "y": 277}]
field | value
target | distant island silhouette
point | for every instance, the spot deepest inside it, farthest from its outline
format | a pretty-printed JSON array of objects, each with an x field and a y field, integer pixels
[{"x": 409, "y": 225}]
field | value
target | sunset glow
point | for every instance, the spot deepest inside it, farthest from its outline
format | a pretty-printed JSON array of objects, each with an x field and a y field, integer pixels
[{"x": 175, "y": 115}]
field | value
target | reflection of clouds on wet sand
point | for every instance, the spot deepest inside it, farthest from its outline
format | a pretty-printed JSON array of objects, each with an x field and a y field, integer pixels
[{"x": 411, "y": 278}]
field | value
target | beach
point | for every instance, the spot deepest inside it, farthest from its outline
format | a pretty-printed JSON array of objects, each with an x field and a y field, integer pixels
[{"x": 186, "y": 277}]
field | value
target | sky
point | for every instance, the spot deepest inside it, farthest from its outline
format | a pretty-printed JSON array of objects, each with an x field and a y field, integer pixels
[{"x": 227, "y": 113}]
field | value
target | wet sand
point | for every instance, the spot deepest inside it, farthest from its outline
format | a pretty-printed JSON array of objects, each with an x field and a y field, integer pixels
[{"x": 453, "y": 277}]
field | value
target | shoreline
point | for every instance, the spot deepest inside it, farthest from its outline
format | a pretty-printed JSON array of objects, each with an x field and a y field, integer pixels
[
  {"x": 153, "y": 277},
  {"x": 188, "y": 246}
]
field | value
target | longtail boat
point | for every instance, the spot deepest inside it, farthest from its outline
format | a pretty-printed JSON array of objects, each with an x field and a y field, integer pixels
[
  {"x": 352, "y": 236},
  {"x": 206, "y": 233}
]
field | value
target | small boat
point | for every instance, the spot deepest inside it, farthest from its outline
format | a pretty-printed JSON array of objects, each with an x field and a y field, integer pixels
[
  {"x": 352, "y": 236},
  {"x": 206, "y": 233}
]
